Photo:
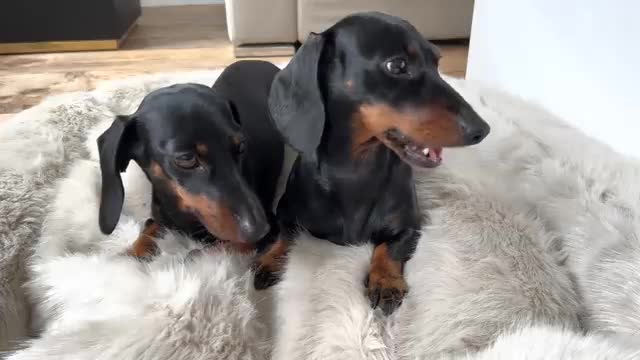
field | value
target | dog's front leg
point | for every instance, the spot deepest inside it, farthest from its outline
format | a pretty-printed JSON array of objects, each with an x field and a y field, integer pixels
[
  {"x": 385, "y": 283},
  {"x": 271, "y": 256},
  {"x": 145, "y": 246}
]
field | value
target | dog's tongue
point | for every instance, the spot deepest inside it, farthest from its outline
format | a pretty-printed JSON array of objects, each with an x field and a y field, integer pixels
[{"x": 435, "y": 155}]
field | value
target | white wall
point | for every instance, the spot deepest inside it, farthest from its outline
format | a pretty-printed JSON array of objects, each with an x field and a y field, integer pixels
[
  {"x": 578, "y": 58},
  {"x": 178, "y": 2}
]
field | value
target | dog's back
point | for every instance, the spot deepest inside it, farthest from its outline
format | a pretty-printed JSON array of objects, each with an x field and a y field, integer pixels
[{"x": 246, "y": 84}]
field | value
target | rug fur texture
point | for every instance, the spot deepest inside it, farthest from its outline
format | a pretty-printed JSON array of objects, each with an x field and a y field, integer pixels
[{"x": 531, "y": 251}]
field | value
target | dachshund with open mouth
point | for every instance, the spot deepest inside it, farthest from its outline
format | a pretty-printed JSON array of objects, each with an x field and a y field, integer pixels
[
  {"x": 363, "y": 103},
  {"x": 213, "y": 157}
]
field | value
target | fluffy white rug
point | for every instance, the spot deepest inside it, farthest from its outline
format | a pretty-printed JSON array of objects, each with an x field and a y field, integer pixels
[{"x": 532, "y": 240}]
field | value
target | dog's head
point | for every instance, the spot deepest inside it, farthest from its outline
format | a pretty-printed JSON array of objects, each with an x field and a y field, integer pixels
[
  {"x": 189, "y": 142},
  {"x": 386, "y": 74}
]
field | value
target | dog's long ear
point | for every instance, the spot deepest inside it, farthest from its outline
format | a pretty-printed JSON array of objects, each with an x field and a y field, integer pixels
[
  {"x": 115, "y": 146},
  {"x": 295, "y": 101},
  {"x": 431, "y": 50},
  {"x": 235, "y": 115}
]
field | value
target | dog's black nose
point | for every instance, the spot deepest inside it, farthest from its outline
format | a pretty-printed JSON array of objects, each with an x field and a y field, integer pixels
[
  {"x": 473, "y": 128},
  {"x": 253, "y": 229}
]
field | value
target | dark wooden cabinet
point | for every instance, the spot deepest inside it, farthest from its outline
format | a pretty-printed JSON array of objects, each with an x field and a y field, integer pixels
[{"x": 65, "y": 25}]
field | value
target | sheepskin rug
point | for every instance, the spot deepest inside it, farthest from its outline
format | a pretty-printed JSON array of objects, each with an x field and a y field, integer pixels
[{"x": 531, "y": 251}]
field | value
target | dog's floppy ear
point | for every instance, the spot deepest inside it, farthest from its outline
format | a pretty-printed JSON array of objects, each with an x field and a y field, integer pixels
[
  {"x": 235, "y": 115},
  {"x": 430, "y": 49},
  {"x": 295, "y": 101},
  {"x": 115, "y": 146}
]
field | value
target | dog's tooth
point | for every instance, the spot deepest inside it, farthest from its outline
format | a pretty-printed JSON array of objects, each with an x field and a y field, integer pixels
[{"x": 425, "y": 151}]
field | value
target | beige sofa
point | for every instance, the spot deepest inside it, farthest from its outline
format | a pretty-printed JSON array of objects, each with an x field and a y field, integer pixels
[{"x": 271, "y": 27}]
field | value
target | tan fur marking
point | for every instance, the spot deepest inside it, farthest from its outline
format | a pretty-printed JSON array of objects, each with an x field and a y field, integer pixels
[
  {"x": 432, "y": 126},
  {"x": 202, "y": 149},
  {"x": 363, "y": 140},
  {"x": 216, "y": 217},
  {"x": 385, "y": 272},
  {"x": 145, "y": 246},
  {"x": 273, "y": 259},
  {"x": 156, "y": 170}
]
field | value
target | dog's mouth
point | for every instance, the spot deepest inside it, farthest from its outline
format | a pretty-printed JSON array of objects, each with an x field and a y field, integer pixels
[
  {"x": 412, "y": 152},
  {"x": 239, "y": 246},
  {"x": 218, "y": 236},
  {"x": 210, "y": 237}
]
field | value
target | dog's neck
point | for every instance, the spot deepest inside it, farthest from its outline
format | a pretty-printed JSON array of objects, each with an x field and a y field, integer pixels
[{"x": 362, "y": 178}]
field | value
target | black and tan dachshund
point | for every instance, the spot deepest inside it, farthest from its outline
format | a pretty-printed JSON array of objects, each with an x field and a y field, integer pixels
[
  {"x": 213, "y": 158},
  {"x": 362, "y": 102}
]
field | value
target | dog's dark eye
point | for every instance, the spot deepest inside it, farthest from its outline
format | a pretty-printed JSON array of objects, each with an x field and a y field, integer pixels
[
  {"x": 186, "y": 161},
  {"x": 396, "y": 66}
]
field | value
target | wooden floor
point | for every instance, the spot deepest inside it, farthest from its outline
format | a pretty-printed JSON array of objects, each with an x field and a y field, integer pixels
[{"x": 166, "y": 39}]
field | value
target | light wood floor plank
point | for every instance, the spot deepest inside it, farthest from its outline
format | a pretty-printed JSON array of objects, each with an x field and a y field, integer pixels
[{"x": 167, "y": 39}]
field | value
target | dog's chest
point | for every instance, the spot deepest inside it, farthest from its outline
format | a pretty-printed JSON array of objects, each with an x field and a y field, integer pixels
[
  {"x": 374, "y": 204},
  {"x": 347, "y": 204}
]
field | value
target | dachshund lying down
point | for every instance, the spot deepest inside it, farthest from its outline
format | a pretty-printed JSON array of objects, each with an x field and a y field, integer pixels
[
  {"x": 213, "y": 159},
  {"x": 362, "y": 103}
]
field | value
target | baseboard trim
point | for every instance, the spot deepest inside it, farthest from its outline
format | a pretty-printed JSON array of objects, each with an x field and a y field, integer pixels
[
  {"x": 153, "y": 3},
  {"x": 263, "y": 50},
  {"x": 65, "y": 46}
]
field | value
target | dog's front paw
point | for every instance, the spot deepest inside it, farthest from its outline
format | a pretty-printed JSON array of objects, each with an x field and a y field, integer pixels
[
  {"x": 265, "y": 277},
  {"x": 386, "y": 290},
  {"x": 269, "y": 264},
  {"x": 145, "y": 247},
  {"x": 145, "y": 252}
]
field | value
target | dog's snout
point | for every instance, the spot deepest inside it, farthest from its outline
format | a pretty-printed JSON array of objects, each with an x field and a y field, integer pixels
[
  {"x": 253, "y": 227},
  {"x": 473, "y": 128},
  {"x": 473, "y": 134}
]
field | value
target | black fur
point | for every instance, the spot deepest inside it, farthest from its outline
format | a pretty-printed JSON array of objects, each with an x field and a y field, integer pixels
[
  {"x": 225, "y": 119},
  {"x": 333, "y": 194}
]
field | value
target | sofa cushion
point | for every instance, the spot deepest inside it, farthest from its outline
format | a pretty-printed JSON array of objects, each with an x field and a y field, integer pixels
[
  {"x": 435, "y": 19},
  {"x": 261, "y": 22}
]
